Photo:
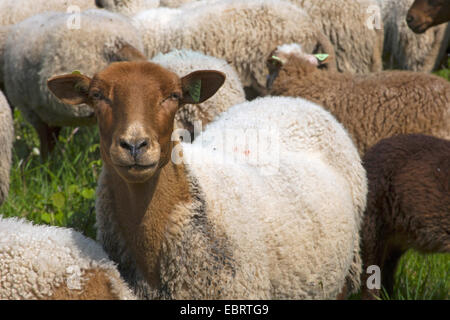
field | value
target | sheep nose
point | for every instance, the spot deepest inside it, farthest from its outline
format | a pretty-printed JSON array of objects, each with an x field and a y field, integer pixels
[
  {"x": 134, "y": 147},
  {"x": 409, "y": 18}
]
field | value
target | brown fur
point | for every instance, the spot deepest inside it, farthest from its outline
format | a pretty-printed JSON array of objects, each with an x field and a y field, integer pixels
[
  {"x": 97, "y": 287},
  {"x": 136, "y": 102},
  {"x": 408, "y": 203},
  {"x": 371, "y": 107},
  {"x": 423, "y": 15}
]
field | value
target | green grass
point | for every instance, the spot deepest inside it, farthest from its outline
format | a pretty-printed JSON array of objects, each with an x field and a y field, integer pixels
[{"x": 61, "y": 192}]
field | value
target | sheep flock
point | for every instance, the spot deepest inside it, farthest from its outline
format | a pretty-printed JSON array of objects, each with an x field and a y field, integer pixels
[{"x": 249, "y": 149}]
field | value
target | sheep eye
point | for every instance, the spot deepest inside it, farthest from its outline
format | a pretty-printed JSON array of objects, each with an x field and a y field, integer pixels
[
  {"x": 175, "y": 96},
  {"x": 96, "y": 95}
]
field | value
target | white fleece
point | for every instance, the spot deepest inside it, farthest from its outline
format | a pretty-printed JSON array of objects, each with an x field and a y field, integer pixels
[
  {"x": 35, "y": 260},
  {"x": 6, "y": 145}
]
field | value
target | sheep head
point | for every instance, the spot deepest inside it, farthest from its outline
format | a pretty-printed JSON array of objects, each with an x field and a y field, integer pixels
[
  {"x": 293, "y": 53},
  {"x": 424, "y": 14},
  {"x": 135, "y": 104}
]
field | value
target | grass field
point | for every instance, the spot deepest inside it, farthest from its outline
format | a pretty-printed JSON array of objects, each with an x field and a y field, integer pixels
[{"x": 61, "y": 192}]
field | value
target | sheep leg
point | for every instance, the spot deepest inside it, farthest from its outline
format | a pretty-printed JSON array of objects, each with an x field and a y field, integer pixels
[
  {"x": 47, "y": 136},
  {"x": 388, "y": 269}
]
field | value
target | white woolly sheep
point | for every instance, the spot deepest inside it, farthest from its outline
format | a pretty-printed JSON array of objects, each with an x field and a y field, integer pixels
[
  {"x": 14, "y": 11},
  {"x": 403, "y": 49},
  {"x": 42, "y": 46},
  {"x": 185, "y": 61},
  {"x": 355, "y": 29},
  {"x": 211, "y": 225},
  {"x": 127, "y": 7},
  {"x": 6, "y": 145},
  {"x": 241, "y": 32},
  {"x": 42, "y": 262},
  {"x": 371, "y": 107}
]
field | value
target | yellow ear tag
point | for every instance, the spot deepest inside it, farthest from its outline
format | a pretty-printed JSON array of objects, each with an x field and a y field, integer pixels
[
  {"x": 195, "y": 90},
  {"x": 76, "y": 72},
  {"x": 321, "y": 56}
]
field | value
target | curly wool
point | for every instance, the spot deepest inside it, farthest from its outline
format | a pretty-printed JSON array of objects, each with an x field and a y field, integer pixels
[
  {"x": 404, "y": 49},
  {"x": 15, "y": 11},
  {"x": 408, "y": 203},
  {"x": 371, "y": 107},
  {"x": 284, "y": 235},
  {"x": 354, "y": 28},
  {"x": 6, "y": 145},
  {"x": 43, "y": 46},
  {"x": 241, "y": 32},
  {"x": 39, "y": 262},
  {"x": 183, "y": 62}
]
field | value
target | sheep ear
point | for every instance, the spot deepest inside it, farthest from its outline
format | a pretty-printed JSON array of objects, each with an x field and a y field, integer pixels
[
  {"x": 70, "y": 88},
  {"x": 201, "y": 85}
]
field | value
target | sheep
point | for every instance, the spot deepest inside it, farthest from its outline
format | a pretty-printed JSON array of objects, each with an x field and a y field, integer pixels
[
  {"x": 196, "y": 223},
  {"x": 370, "y": 107},
  {"x": 53, "y": 263},
  {"x": 6, "y": 145},
  {"x": 357, "y": 37},
  {"x": 408, "y": 203},
  {"x": 241, "y": 32},
  {"x": 354, "y": 29},
  {"x": 403, "y": 49},
  {"x": 422, "y": 14},
  {"x": 185, "y": 61},
  {"x": 43, "y": 46},
  {"x": 127, "y": 7},
  {"x": 15, "y": 11}
]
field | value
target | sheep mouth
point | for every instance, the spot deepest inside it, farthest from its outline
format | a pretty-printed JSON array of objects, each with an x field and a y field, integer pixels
[{"x": 139, "y": 167}]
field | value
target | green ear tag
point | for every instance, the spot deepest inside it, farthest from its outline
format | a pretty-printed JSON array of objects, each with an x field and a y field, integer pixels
[
  {"x": 195, "y": 90},
  {"x": 321, "y": 56},
  {"x": 76, "y": 72},
  {"x": 276, "y": 58}
]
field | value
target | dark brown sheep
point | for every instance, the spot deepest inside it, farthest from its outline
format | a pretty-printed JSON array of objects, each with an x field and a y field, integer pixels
[
  {"x": 425, "y": 14},
  {"x": 408, "y": 203}
]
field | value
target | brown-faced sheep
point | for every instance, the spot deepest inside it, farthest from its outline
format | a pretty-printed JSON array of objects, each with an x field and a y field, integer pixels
[
  {"x": 425, "y": 14},
  {"x": 408, "y": 203},
  {"x": 370, "y": 107},
  {"x": 198, "y": 221}
]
